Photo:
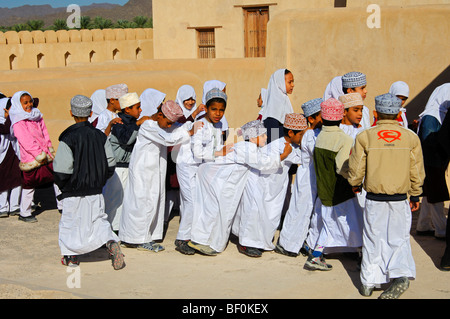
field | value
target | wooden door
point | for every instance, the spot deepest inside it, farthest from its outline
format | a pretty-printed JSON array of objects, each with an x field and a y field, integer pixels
[{"x": 255, "y": 31}]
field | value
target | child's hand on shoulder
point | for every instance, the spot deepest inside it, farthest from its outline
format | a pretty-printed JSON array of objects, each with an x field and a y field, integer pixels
[
  {"x": 116, "y": 120},
  {"x": 199, "y": 109},
  {"x": 142, "y": 120},
  {"x": 195, "y": 127},
  {"x": 6, "y": 113},
  {"x": 225, "y": 150},
  {"x": 287, "y": 151}
]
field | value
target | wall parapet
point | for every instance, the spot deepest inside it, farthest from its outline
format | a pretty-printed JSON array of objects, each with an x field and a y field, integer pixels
[{"x": 84, "y": 35}]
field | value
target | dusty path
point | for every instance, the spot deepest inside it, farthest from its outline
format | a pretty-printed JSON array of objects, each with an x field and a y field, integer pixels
[{"x": 30, "y": 268}]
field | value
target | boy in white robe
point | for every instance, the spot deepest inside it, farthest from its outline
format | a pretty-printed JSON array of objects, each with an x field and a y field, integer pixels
[
  {"x": 122, "y": 138},
  {"x": 220, "y": 185},
  {"x": 205, "y": 146},
  {"x": 340, "y": 213},
  {"x": 353, "y": 112},
  {"x": 142, "y": 220},
  {"x": 108, "y": 117},
  {"x": 82, "y": 164},
  {"x": 387, "y": 160},
  {"x": 261, "y": 206},
  {"x": 298, "y": 217}
]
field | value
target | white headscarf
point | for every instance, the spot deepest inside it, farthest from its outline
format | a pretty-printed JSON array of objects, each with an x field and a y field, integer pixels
[
  {"x": 151, "y": 99},
  {"x": 401, "y": 88},
  {"x": 186, "y": 92},
  {"x": 99, "y": 103},
  {"x": 5, "y": 140},
  {"x": 278, "y": 103},
  {"x": 17, "y": 113},
  {"x": 212, "y": 84},
  {"x": 264, "y": 99},
  {"x": 334, "y": 89},
  {"x": 438, "y": 103}
]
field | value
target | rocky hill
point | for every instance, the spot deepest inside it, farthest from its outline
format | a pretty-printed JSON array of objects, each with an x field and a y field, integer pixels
[{"x": 48, "y": 14}]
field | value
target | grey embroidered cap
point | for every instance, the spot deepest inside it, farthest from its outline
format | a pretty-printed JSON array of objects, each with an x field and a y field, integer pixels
[
  {"x": 253, "y": 129},
  {"x": 81, "y": 106},
  {"x": 311, "y": 107},
  {"x": 215, "y": 93},
  {"x": 388, "y": 104},
  {"x": 353, "y": 80}
]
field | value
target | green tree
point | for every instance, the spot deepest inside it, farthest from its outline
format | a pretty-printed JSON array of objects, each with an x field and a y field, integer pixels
[
  {"x": 102, "y": 23},
  {"x": 124, "y": 24},
  {"x": 140, "y": 21},
  {"x": 59, "y": 24},
  {"x": 85, "y": 22},
  {"x": 20, "y": 27},
  {"x": 35, "y": 24}
]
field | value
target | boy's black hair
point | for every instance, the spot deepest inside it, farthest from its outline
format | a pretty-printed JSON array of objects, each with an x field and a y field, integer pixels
[
  {"x": 286, "y": 71},
  {"x": 331, "y": 123},
  {"x": 286, "y": 131},
  {"x": 159, "y": 110},
  {"x": 216, "y": 100},
  {"x": 383, "y": 116}
]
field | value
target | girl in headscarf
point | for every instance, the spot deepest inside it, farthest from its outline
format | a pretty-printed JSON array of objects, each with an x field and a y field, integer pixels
[
  {"x": 36, "y": 150},
  {"x": 433, "y": 123},
  {"x": 99, "y": 104},
  {"x": 401, "y": 90},
  {"x": 281, "y": 84},
  {"x": 11, "y": 181},
  {"x": 151, "y": 99},
  {"x": 187, "y": 100}
]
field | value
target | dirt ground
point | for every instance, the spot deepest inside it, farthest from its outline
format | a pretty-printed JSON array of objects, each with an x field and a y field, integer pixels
[{"x": 30, "y": 268}]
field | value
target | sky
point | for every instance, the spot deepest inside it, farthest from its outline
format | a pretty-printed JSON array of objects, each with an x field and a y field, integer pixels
[{"x": 55, "y": 3}]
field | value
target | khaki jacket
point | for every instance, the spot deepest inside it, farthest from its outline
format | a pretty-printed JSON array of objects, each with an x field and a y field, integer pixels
[{"x": 388, "y": 158}]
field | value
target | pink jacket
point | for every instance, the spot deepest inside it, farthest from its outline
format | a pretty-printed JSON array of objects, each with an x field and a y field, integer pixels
[{"x": 34, "y": 143}]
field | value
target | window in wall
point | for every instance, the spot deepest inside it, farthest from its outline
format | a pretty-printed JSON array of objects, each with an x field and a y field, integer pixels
[
  {"x": 255, "y": 31},
  {"x": 139, "y": 54},
  {"x": 40, "y": 60},
  {"x": 116, "y": 54},
  {"x": 66, "y": 58},
  {"x": 12, "y": 62},
  {"x": 340, "y": 3},
  {"x": 206, "y": 43},
  {"x": 91, "y": 56}
]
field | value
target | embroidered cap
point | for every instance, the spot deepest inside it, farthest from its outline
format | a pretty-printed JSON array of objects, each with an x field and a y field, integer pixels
[
  {"x": 353, "y": 80},
  {"x": 351, "y": 100},
  {"x": 311, "y": 107},
  {"x": 295, "y": 121},
  {"x": 332, "y": 110},
  {"x": 215, "y": 93},
  {"x": 128, "y": 100},
  {"x": 252, "y": 129},
  {"x": 116, "y": 91},
  {"x": 388, "y": 104},
  {"x": 172, "y": 110},
  {"x": 81, "y": 106}
]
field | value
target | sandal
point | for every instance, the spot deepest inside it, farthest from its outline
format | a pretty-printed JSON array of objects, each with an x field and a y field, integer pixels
[
  {"x": 249, "y": 251},
  {"x": 151, "y": 246},
  {"x": 115, "y": 254},
  {"x": 397, "y": 288}
]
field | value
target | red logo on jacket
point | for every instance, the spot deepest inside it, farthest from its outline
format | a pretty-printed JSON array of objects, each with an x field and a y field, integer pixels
[{"x": 389, "y": 135}]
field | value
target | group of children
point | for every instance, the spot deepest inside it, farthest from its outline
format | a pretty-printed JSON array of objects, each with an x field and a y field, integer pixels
[{"x": 113, "y": 168}]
